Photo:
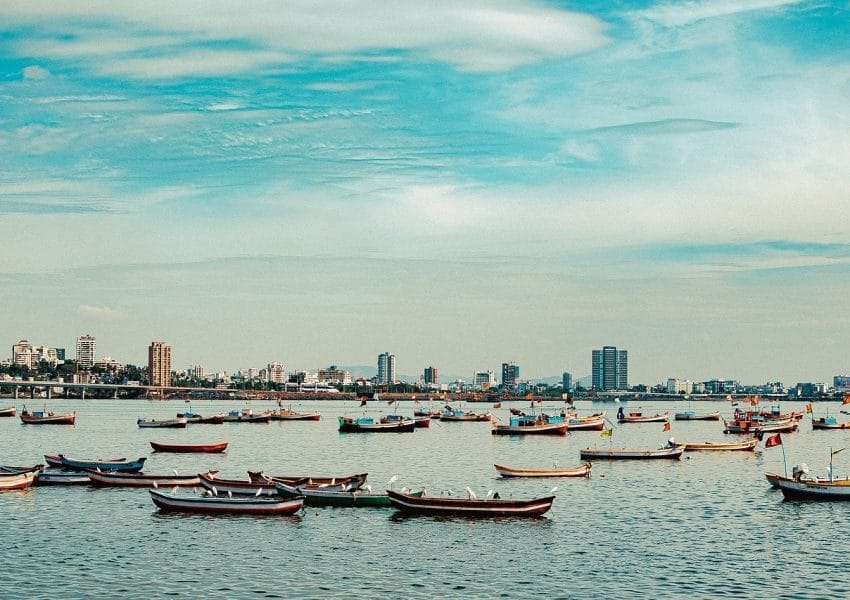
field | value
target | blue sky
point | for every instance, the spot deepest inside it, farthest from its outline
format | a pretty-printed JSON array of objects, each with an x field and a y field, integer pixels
[{"x": 461, "y": 184}]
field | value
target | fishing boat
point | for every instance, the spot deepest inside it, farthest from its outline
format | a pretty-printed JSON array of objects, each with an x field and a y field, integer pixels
[
  {"x": 631, "y": 454},
  {"x": 317, "y": 496},
  {"x": 287, "y": 414},
  {"x": 196, "y": 418},
  {"x": 10, "y": 470},
  {"x": 106, "y": 479},
  {"x": 594, "y": 422},
  {"x": 757, "y": 425},
  {"x": 354, "y": 481},
  {"x": 246, "y": 415},
  {"x": 470, "y": 506},
  {"x": 690, "y": 415},
  {"x": 238, "y": 487},
  {"x": 173, "y": 423},
  {"x": 421, "y": 421},
  {"x": 540, "y": 424},
  {"x": 62, "y": 477},
  {"x": 208, "y": 448},
  {"x": 368, "y": 424},
  {"x": 749, "y": 444},
  {"x": 226, "y": 505},
  {"x": 17, "y": 480},
  {"x": 580, "y": 471},
  {"x": 7, "y": 412},
  {"x": 41, "y": 417},
  {"x": 829, "y": 423},
  {"x": 118, "y": 465},
  {"x": 803, "y": 486},
  {"x": 451, "y": 414},
  {"x": 639, "y": 417}
]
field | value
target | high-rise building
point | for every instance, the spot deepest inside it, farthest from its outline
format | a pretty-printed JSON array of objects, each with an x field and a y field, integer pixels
[
  {"x": 510, "y": 375},
  {"x": 566, "y": 381},
  {"x": 431, "y": 376},
  {"x": 23, "y": 354},
  {"x": 484, "y": 380},
  {"x": 276, "y": 372},
  {"x": 159, "y": 364},
  {"x": 86, "y": 346},
  {"x": 386, "y": 368},
  {"x": 610, "y": 369}
]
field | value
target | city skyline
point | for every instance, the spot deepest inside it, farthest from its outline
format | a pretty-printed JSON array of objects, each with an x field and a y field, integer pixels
[{"x": 467, "y": 185}]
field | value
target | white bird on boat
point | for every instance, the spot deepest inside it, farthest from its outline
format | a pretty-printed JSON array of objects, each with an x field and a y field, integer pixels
[
  {"x": 259, "y": 491},
  {"x": 229, "y": 494},
  {"x": 489, "y": 494},
  {"x": 392, "y": 480},
  {"x": 155, "y": 485},
  {"x": 214, "y": 491},
  {"x": 174, "y": 491},
  {"x": 368, "y": 488},
  {"x": 175, "y": 472},
  {"x": 469, "y": 491}
]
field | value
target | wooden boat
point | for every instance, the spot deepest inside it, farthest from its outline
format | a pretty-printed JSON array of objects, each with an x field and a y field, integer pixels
[
  {"x": 236, "y": 486},
  {"x": 368, "y": 424},
  {"x": 226, "y": 505},
  {"x": 829, "y": 423},
  {"x": 47, "y": 418},
  {"x": 430, "y": 414},
  {"x": 196, "y": 418},
  {"x": 639, "y": 417},
  {"x": 774, "y": 478},
  {"x": 541, "y": 424},
  {"x": 631, "y": 454},
  {"x": 459, "y": 415},
  {"x": 211, "y": 448},
  {"x": 469, "y": 507},
  {"x": 749, "y": 444},
  {"x": 18, "y": 480},
  {"x": 246, "y": 415},
  {"x": 690, "y": 415},
  {"x": 580, "y": 471},
  {"x": 106, "y": 479},
  {"x": 317, "y": 496},
  {"x": 116, "y": 465},
  {"x": 757, "y": 426},
  {"x": 10, "y": 470},
  {"x": 421, "y": 421},
  {"x": 62, "y": 477},
  {"x": 174, "y": 423},
  {"x": 355, "y": 481},
  {"x": 7, "y": 412},
  {"x": 813, "y": 489},
  {"x": 287, "y": 414},
  {"x": 595, "y": 422}
]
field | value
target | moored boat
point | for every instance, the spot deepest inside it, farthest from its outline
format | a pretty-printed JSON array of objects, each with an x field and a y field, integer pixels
[
  {"x": 120, "y": 464},
  {"x": 639, "y": 417},
  {"x": 17, "y": 480},
  {"x": 451, "y": 414},
  {"x": 540, "y": 424},
  {"x": 226, "y": 505},
  {"x": 47, "y": 418},
  {"x": 210, "y": 448},
  {"x": 594, "y": 422},
  {"x": 354, "y": 481},
  {"x": 631, "y": 454},
  {"x": 287, "y": 414},
  {"x": 469, "y": 507},
  {"x": 196, "y": 418},
  {"x": 106, "y": 479},
  {"x": 812, "y": 489},
  {"x": 368, "y": 424},
  {"x": 690, "y": 415},
  {"x": 829, "y": 423},
  {"x": 580, "y": 471},
  {"x": 173, "y": 423},
  {"x": 749, "y": 444},
  {"x": 757, "y": 426},
  {"x": 317, "y": 496},
  {"x": 7, "y": 412},
  {"x": 421, "y": 421},
  {"x": 246, "y": 415},
  {"x": 62, "y": 477},
  {"x": 236, "y": 486}
]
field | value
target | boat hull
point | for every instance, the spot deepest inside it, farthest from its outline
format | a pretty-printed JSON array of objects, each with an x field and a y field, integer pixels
[
  {"x": 121, "y": 465},
  {"x": 7, "y": 412},
  {"x": 294, "y": 416},
  {"x": 17, "y": 481},
  {"x": 353, "y": 426},
  {"x": 543, "y": 429},
  {"x": 226, "y": 506},
  {"x": 629, "y": 454},
  {"x": 101, "y": 479},
  {"x": 62, "y": 477},
  {"x": 746, "y": 445},
  {"x": 813, "y": 490},
  {"x": 169, "y": 423},
  {"x": 509, "y": 472},
  {"x": 198, "y": 448},
  {"x": 689, "y": 416},
  {"x": 463, "y": 507},
  {"x": 49, "y": 419}
]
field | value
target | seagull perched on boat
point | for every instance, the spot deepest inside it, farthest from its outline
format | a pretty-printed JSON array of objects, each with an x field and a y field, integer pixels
[
  {"x": 368, "y": 488},
  {"x": 392, "y": 480},
  {"x": 489, "y": 494},
  {"x": 155, "y": 485},
  {"x": 229, "y": 494},
  {"x": 175, "y": 472},
  {"x": 174, "y": 491},
  {"x": 214, "y": 491},
  {"x": 469, "y": 491},
  {"x": 259, "y": 491}
]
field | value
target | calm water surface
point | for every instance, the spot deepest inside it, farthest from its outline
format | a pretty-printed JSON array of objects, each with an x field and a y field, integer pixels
[{"x": 705, "y": 526}]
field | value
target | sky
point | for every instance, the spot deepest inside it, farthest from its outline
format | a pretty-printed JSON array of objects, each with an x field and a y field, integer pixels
[{"x": 460, "y": 184}]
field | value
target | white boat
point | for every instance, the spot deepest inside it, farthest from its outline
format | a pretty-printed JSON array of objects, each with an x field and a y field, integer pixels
[
  {"x": 633, "y": 454},
  {"x": 580, "y": 471}
]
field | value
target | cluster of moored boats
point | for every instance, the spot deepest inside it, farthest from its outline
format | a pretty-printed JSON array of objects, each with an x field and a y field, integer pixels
[{"x": 279, "y": 494}]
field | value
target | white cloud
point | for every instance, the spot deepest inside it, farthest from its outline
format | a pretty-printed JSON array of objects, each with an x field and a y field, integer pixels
[
  {"x": 35, "y": 72},
  {"x": 676, "y": 15},
  {"x": 479, "y": 35},
  {"x": 100, "y": 312}
]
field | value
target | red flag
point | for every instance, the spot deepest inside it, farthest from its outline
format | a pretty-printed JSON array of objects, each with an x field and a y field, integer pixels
[
  {"x": 363, "y": 402},
  {"x": 846, "y": 399},
  {"x": 667, "y": 426},
  {"x": 774, "y": 440}
]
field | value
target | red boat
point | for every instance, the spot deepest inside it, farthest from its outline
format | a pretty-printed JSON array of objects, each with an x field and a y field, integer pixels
[
  {"x": 47, "y": 418},
  {"x": 211, "y": 448},
  {"x": 469, "y": 507},
  {"x": 7, "y": 412}
]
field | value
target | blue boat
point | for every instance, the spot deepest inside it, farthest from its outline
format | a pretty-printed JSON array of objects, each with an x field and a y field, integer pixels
[
  {"x": 114, "y": 466},
  {"x": 368, "y": 424}
]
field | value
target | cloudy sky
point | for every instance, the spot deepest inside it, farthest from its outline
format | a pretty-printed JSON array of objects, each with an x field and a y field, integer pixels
[{"x": 462, "y": 184}]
